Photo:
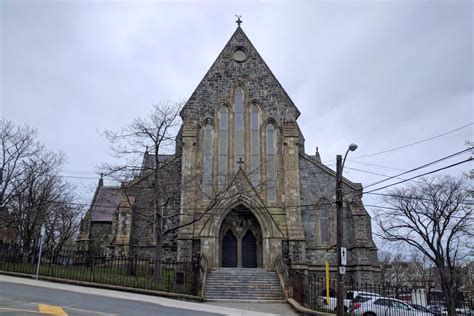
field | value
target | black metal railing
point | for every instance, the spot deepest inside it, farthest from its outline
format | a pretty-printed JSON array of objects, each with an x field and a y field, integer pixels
[
  {"x": 311, "y": 292},
  {"x": 135, "y": 272}
]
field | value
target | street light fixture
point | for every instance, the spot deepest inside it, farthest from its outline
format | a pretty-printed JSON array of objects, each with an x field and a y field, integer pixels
[{"x": 340, "y": 284}]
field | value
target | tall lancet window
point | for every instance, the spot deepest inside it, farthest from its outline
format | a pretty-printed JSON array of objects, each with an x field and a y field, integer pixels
[
  {"x": 254, "y": 146},
  {"x": 271, "y": 163},
  {"x": 223, "y": 139},
  {"x": 324, "y": 224},
  {"x": 207, "y": 159},
  {"x": 238, "y": 126}
]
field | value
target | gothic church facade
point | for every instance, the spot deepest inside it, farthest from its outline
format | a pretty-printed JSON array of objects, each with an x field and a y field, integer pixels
[{"x": 246, "y": 193}]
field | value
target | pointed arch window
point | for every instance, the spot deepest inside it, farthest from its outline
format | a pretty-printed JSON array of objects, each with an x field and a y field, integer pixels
[
  {"x": 271, "y": 163},
  {"x": 254, "y": 145},
  {"x": 223, "y": 145},
  {"x": 207, "y": 159},
  {"x": 238, "y": 126},
  {"x": 324, "y": 223}
]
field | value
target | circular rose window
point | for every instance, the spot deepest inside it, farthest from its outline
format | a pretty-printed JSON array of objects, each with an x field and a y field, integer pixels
[{"x": 239, "y": 54}]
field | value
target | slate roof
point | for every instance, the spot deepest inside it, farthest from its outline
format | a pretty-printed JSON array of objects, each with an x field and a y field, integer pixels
[
  {"x": 105, "y": 204},
  {"x": 149, "y": 160}
]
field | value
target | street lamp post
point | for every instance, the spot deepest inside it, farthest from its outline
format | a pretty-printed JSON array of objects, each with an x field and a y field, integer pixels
[{"x": 340, "y": 282}]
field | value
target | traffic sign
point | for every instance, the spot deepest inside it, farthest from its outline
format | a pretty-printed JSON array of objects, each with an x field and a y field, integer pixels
[
  {"x": 343, "y": 256},
  {"x": 342, "y": 270}
]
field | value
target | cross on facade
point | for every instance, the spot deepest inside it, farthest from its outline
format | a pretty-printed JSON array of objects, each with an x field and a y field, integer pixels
[
  {"x": 240, "y": 162},
  {"x": 239, "y": 21}
]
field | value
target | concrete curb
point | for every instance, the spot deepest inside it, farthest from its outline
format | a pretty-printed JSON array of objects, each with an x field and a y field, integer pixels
[
  {"x": 301, "y": 309},
  {"x": 178, "y": 296}
]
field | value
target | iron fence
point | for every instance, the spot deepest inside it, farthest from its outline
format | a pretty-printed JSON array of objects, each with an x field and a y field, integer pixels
[
  {"x": 135, "y": 272},
  {"x": 314, "y": 293}
]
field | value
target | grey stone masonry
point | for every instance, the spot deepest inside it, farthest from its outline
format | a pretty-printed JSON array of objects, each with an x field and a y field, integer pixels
[
  {"x": 253, "y": 73},
  {"x": 318, "y": 187}
]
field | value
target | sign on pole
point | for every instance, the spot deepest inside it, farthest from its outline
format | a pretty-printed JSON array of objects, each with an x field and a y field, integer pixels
[
  {"x": 342, "y": 270},
  {"x": 42, "y": 233},
  {"x": 343, "y": 256}
]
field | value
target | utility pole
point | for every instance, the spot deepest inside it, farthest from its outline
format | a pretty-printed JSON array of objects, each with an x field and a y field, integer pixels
[
  {"x": 340, "y": 284},
  {"x": 341, "y": 269}
]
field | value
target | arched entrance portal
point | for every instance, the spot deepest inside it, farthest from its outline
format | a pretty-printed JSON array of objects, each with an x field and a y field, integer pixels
[{"x": 240, "y": 240}]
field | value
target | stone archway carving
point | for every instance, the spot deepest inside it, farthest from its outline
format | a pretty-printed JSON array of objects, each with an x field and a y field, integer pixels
[
  {"x": 270, "y": 232},
  {"x": 240, "y": 237}
]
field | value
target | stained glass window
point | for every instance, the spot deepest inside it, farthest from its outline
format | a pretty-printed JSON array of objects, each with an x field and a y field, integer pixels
[
  {"x": 223, "y": 141},
  {"x": 324, "y": 224},
  {"x": 238, "y": 126},
  {"x": 271, "y": 163},
  {"x": 254, "y": 146},
  {"x": 207, "y": 159}
]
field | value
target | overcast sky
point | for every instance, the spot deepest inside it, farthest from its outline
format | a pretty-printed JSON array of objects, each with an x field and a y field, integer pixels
[{"x": 382, "y": 74}]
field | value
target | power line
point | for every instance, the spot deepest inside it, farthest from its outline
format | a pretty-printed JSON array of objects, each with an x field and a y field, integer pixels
[
  {"x": 411, "y": 197},
  {"x": 423, "y": 166},
  {"x": 421, "y": 175},
  {"x": 411, "y": 144},
  {"x": 78, "y": 177},
  {"x": 397, "y": 209},
  {"x": 414, "y": 143},
  {"x": 373, "y": 165}
]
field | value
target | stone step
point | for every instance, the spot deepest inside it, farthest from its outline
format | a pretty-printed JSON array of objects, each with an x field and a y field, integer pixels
[
  {"x": 254, "y": 287},
  {"x": 243, "y": 290},
  {"x": 243, "y": 285},
  {"x": 226, "y": 294},
  {"x": 259, "y": 281}
]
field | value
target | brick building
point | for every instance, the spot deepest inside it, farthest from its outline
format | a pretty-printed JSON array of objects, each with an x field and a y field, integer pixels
[{"x": 241, "y": 176}]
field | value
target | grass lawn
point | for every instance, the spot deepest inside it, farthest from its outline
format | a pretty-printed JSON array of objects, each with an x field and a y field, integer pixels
[{"x": 97, "y": 274}]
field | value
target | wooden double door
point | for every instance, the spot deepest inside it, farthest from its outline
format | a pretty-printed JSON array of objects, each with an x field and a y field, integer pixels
[{"x": 247, "y": 253}]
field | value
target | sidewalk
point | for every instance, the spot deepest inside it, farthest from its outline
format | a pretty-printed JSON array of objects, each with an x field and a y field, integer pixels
[{"x": 241, "y": 309}]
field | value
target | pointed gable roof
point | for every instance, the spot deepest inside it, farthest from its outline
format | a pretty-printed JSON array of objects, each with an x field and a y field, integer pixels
[{"x": 253, "y": 72}]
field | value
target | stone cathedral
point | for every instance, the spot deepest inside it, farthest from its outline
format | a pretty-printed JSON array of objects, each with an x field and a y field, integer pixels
[{"x": 240, "y": 188}]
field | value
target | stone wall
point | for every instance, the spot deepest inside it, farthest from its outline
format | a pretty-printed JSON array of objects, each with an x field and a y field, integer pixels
[
  {"x": 100, "y": 235},
  {"x": 143, "y": 234},
  {"x": 258, "y": 79},
  {"x": 318, "y": 186}
]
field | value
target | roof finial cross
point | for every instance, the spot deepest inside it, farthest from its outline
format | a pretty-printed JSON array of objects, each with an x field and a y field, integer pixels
[{"x": 239, "y": 21}]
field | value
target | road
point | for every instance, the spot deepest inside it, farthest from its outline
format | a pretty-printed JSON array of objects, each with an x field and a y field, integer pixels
[
  {"x": 26, "y": 296},
  {"x": 20, "y": 299}
]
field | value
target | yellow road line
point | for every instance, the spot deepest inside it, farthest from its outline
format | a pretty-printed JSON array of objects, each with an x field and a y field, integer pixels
[{"x": 51, "y": 310}]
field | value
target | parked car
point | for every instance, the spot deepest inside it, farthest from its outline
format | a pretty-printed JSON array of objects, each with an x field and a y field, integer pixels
[
  {"x": 383, "y": 306},
  {"x": 332, "y": 304},
  {"x": 420, "y": 308},
  {"x": 437, "y": 310},
  {"x": 464, "y": 311}
]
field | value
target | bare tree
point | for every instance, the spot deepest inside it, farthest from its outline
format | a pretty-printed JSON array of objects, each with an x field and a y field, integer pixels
[
  {"x": 423, "y": 270},
  {"x": 18, "y": 145},
  {"x": 36, "y": 191},
  {"x": 158, "y": 133},
  {"x": 434, "y": 218},
  {"x": 62, "y": 223},
  {"x": 396, "y": 270}
]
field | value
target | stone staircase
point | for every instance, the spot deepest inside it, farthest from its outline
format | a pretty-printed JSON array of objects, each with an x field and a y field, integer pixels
[{"x": 243, "y": 285}]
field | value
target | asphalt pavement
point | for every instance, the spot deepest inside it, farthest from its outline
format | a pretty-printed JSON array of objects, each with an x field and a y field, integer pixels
[{"x": 21, "y": 296}]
